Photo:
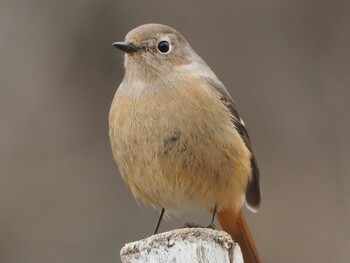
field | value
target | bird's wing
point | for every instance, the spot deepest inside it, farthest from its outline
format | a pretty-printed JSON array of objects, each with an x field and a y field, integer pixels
[{"x": 253, "y": 196}]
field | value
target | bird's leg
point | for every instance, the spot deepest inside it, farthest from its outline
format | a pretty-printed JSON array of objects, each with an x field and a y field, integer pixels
[
  {"x": 212, "y": 223},
  {"x": 159, "y": 220}
]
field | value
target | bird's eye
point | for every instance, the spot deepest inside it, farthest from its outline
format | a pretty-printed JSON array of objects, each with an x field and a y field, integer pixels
[{"x": 163, "y": 47}]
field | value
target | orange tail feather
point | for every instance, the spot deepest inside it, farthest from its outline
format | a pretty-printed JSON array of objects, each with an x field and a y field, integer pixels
[{"x": 235, "y": 225}]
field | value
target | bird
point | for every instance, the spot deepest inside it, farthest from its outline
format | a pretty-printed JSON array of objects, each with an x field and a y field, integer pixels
[{"x": 177, "y": 137}]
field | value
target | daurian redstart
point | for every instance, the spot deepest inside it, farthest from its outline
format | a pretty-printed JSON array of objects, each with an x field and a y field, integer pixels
[{"x": 176, "y": 134}]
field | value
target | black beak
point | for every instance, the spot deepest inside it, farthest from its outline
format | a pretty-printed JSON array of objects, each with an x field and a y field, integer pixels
[{"x": 125, "y": 46}]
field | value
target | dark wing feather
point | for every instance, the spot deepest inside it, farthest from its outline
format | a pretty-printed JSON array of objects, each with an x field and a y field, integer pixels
[{"x": 253, "y": 196}]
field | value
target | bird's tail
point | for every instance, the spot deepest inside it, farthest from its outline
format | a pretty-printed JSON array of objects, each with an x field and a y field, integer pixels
[{"x": 236, "y": 226}]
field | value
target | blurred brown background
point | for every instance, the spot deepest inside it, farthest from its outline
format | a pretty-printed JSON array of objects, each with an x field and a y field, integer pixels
[{"x": 285, "y": 62}]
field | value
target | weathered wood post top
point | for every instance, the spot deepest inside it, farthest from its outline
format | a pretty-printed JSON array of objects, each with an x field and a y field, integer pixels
[{"x": 185, "y": 245}]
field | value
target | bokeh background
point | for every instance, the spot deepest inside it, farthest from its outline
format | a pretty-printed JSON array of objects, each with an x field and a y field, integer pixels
[{"x": 285, "y": 62}]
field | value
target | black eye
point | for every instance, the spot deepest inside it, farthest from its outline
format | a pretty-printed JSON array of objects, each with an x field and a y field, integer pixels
[{"x": 163, "y": 46}]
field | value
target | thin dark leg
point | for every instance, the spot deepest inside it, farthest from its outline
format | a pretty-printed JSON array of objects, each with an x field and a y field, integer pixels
[
  {"x": 159, "y": 220},
  {"x": 212, "y": 224},
  {"x": 214, "y": 214}
]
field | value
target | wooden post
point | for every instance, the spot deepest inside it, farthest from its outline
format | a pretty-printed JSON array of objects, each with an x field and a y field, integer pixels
[{"x": 182, "y": 246}]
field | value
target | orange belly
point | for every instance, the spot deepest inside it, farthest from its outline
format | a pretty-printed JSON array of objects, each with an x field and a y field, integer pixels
[{"x": 179, "y": 153}]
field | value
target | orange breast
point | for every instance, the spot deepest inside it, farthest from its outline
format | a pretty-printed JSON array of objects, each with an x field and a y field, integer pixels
[{"x": 176, "y": 147}]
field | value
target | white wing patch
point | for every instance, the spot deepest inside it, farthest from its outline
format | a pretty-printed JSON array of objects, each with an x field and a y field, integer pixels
[{"x": 241, "y": 121}]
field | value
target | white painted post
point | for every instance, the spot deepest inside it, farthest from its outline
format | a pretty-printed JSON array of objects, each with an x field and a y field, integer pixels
[{"x": 184, "y": 246}]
